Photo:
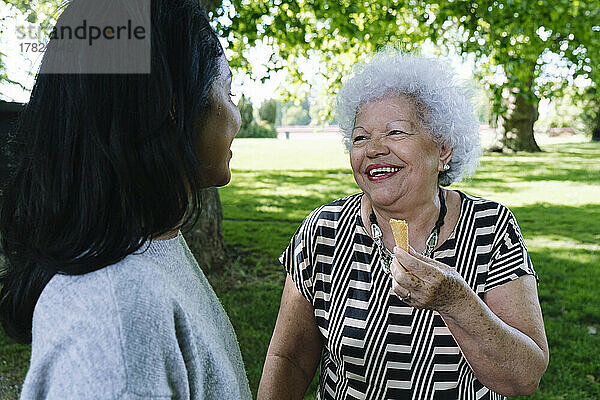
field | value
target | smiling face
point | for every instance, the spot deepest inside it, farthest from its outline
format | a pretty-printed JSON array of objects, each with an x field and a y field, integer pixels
[
  {"x": 394, "y": 159},
  {"x": 218, "y": 131}
]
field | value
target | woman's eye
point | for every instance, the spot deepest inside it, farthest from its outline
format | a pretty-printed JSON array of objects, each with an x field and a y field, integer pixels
[
  {"x": 358, "y": 138},
  {"x": 397, "y": 133}
]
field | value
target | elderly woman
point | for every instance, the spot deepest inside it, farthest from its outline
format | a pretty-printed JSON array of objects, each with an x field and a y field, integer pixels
[
  {"x": 455, "y": 318},
  {"x": 110, "y": 166}
]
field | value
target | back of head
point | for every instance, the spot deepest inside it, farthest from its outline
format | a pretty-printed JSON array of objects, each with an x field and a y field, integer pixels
[{"x": 105, "y": 161}]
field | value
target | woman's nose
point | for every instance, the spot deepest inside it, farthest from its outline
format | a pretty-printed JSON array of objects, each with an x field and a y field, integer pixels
[{"x": 376, "y": 147}]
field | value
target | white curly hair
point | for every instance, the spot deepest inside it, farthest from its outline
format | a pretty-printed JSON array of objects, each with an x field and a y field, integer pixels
[{"x": 442, "y": 103}]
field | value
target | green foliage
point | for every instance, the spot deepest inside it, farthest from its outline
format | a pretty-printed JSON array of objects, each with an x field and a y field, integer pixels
[
  {"x": 321, "y": 112},
  {"x": 483, "y": 105},
  {"x": 14, "y": 361},
  {"x": 513, "y": 35},
  {"x": 575, "y": 109},
  {"x": 268, "y": 111},
  {"x": 510, "y": 38},
  {"x": 249, "y": 127},
  {"x": 515, "y": 38},
  {"x": 24, "y": 6},
  {"x": 42, "y": 12},
  {"x": 341, "y": 31},
  {"x": 590, "y": 111},
  {"x": 246, "y": 112},
  {"x": 516, "y": 41},
  {"x": 295, "y": 115},
  {"x": 564, "y": 112},
  {"x": 257, "y": 130}
]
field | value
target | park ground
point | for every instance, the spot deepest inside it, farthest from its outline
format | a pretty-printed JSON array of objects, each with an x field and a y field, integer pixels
[{"x": 555, "y": 196}]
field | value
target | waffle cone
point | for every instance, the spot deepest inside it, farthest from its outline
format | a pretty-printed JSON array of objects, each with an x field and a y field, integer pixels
[{"x": 400, "y": 230}]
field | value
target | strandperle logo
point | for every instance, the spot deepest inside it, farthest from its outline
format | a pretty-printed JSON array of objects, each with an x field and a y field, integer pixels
[
  {"x": 98, "y": 37},
  {"x": 88, "y": 32}
]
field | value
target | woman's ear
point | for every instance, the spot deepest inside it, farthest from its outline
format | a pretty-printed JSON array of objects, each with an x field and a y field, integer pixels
[{"x": 445, "y": 157}]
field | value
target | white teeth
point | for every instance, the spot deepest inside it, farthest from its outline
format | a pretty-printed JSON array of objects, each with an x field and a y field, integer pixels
[{"x": 382, "y": 171}]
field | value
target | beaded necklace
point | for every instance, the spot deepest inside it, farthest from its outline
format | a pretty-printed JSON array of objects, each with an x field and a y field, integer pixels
[{"x": 385, "y": 255}]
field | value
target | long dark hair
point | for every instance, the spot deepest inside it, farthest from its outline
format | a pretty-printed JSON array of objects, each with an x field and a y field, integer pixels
[{"x": 102, "y": 163}]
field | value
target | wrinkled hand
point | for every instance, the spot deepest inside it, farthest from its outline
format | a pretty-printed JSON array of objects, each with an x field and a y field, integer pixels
[{"x": 432, "y": 285}]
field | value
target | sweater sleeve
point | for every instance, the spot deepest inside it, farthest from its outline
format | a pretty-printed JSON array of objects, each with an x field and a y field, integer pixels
[{"x": 77, "y": 343}]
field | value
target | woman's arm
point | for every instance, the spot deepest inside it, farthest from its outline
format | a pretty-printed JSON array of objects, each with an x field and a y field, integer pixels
[
  {"x": 294, "y": 351},
  {"x": 502, "y": 338}
]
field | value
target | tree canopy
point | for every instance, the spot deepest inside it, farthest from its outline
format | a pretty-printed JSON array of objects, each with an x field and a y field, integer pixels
[
  {"x": 523, "y": 42},
  {"x": 516, "y": 45}
]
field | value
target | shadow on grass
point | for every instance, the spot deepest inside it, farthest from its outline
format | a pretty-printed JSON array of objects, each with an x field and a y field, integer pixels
[
  {"x": 283, "y": 195},
  {"x": 541, "y": 169},
  {"x": 578, "y": 223},
  {"x": 565, "y": 162}
]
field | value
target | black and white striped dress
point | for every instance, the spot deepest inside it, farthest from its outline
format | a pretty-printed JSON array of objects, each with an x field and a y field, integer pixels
[{"x": 376, "y": 346}]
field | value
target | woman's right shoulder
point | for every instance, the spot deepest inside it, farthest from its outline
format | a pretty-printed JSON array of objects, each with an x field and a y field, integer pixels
[
  {"x": 71, "y": 291},
  {"x": 80, "y": 296},
  {"x": 72, "y": 308}
]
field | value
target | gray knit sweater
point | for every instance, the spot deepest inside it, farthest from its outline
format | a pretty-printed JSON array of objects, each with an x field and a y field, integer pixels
[{"x": 147, "y": 327}]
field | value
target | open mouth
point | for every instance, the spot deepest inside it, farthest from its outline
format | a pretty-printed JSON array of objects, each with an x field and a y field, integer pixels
[{"x": 376, "y": 173}]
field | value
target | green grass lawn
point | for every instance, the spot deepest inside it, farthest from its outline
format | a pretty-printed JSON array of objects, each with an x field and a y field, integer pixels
[{"x": 555, "y": 196}]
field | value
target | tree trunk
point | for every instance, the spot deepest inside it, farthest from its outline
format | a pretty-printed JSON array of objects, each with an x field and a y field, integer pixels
[
  {"x": 596, "y": 127},
  {"x": 596, "y": 134},
  {"x": 516, "y": 125},
  {"x": 206, "y": 238},
  {"x": 207, "y": 5}
]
